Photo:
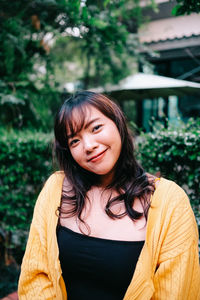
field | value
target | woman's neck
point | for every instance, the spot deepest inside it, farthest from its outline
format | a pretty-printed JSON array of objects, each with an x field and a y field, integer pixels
[{"x": 106, "y": 180}]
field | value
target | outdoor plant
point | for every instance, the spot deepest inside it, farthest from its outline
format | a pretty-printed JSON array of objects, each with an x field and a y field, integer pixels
[
  {"x": 26, "y": 162},
  {"x": 25, "y": 159},
  {"x": 175, "y": 153},
  {"x": 95, "y": 42}
]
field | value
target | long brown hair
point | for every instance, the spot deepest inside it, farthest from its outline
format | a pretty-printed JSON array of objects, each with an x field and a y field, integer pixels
[{"x": 130, "y": 180}]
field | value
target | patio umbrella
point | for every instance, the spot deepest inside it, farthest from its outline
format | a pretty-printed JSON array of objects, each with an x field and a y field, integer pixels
[{"x": 145, "y": 86}]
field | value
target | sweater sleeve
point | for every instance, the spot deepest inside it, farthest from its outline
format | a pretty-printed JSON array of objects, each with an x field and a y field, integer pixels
[
  {"x": 34, "y": 281},
  {"x": 178, "y": 278},
  {"x": 177, "y": 275}
]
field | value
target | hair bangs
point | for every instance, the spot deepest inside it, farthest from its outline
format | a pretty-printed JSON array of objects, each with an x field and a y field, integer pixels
[{"x": 75, "y": 120}]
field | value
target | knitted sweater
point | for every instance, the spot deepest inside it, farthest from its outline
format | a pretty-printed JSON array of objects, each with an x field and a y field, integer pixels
[{"x": 168, "y": 266}]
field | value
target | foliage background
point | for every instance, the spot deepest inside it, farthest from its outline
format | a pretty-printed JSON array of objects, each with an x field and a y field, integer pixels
[
  {"x": 48, "y": 43},
  {"x": 175, "y": 153},
  {"x": 45, "y": 44},
  {"x": 25, "y": 159}
]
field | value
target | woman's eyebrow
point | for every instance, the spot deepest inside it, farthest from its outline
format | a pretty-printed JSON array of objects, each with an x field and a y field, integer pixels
[
  {"x": 70, "y": 136},
  {"x": 90, "y": 122},
  {"x": 85, "y": 127}
]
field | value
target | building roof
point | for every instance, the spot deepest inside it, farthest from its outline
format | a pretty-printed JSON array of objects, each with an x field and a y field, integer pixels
[{"x": 170, "y": 29}]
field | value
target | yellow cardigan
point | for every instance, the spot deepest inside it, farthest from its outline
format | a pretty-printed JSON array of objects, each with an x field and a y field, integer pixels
[{"x": 168, "y": 266}]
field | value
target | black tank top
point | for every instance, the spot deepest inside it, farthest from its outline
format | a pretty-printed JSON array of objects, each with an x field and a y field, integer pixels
[{"x": 96, "y": 268}]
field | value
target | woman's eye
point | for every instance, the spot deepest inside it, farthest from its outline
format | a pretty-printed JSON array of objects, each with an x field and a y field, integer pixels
[
  {"x": 96, "y": 127},
  {"x": 73, "y": 142}
]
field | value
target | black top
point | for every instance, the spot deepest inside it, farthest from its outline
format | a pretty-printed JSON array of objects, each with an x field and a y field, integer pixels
[{"x": 96, "y": 268}]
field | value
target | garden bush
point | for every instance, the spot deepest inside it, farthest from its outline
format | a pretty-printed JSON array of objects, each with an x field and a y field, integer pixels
[
  {"x": 25, "y": 159},
  {"x": 175, "y": 153},
  {"x": 26, "y": 162}
]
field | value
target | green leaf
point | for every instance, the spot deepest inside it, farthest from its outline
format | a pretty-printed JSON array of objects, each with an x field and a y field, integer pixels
[
  {"x": 11, "y": 99},
  {"x": 100, "y": 24}
]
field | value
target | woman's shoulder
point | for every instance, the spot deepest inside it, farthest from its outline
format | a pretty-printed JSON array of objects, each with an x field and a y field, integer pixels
[
  {"x": 54, "y": 181},
  {"x": 171, "y": 203},
  {"x": 170, "y": 186},
  {"x": 51, "y": 189},
  {"x": 56, "y": 177},
  {"x": 168, "y": 192},
  {"x": 173, "y": 208}
]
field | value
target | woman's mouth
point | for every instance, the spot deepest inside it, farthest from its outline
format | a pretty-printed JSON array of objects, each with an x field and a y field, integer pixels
[{"x": 97, "y": 157}]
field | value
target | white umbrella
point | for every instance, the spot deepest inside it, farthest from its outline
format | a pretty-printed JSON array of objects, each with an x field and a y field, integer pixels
[{"x": 141, "y": 86}]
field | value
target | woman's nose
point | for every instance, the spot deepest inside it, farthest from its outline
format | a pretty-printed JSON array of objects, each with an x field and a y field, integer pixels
[{"x": 89, "y": 143}]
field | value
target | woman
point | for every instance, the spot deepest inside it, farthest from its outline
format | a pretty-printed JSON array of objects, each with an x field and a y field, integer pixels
[{"x": 119, "y": 233}]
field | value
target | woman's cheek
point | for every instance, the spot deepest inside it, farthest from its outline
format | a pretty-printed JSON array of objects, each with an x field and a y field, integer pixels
[
  {"x": 77, "y": 153},
  {"x": 105, "y": 136},
  {"x": 74, "y": 153}
]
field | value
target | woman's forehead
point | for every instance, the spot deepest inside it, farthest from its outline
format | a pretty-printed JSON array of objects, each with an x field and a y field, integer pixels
[
  {"x": 78, "y": 118},
  {"x": 81, "y": 113}
]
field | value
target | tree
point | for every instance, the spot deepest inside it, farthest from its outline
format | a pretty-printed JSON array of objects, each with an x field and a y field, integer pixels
[
  {"x": 186, "y": 7},
  {"x": 107, "y": 43},
  {"x": 108, "y": 46},
  {"x": 23, "y": 91}
]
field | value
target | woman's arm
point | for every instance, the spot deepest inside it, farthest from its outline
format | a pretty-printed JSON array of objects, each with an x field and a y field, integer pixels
[
  {"x": 177, "y": 276},
  {"x": 35, "y": 282}
]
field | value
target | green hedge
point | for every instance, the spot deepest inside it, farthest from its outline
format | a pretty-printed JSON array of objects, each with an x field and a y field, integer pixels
[
  {"x": 175, "y": 153},
  {"x": 25, "y": 163},
  {"x": 25, "y": 160}
]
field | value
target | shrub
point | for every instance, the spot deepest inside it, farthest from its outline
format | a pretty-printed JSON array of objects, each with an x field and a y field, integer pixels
[
  {"x": 25, "y": 159},
  {"x": 175, "y": 153}
]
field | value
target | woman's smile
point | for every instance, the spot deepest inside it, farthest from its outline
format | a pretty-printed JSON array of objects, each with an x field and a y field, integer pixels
[{"x": 97, "y": 157}]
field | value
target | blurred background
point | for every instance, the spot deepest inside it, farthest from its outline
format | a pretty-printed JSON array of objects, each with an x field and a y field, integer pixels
[{"x": 143, "y": 54}]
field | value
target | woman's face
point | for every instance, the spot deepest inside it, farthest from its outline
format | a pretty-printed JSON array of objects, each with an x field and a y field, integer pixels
[{"x": 97, "y": 146}]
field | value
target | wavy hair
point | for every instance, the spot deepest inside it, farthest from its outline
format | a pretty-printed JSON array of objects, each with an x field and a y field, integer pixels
[{"x": 129, "y": 180}]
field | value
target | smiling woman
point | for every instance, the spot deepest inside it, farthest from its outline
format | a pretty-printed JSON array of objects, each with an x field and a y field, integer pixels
[{"x": 102, "y": 227}]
